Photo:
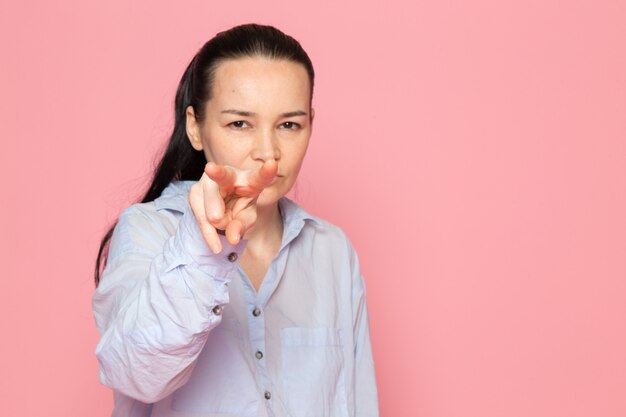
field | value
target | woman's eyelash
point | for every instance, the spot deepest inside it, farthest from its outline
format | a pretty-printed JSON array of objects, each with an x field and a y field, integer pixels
[
  {"x": 291, "y": 125},
  {"x": 239, "y": 124}
]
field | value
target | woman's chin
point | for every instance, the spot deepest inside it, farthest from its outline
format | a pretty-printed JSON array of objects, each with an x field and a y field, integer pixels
[{"x": 268, "y": 197}]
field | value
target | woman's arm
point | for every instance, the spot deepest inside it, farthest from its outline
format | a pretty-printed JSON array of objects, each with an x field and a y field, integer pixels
[
  {"x": 159, "y": 297},
  {"x": 161, "y": 294},
  {"x": 366, "y": 395}
]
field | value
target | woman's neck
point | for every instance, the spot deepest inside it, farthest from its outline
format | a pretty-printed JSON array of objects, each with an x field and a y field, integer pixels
[
  {"x": 267, "y": 233},
  {"x": 264, "y": 241}
]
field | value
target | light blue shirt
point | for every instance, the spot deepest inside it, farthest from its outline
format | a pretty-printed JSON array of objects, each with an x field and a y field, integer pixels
[{"x": 184, "y": 332}]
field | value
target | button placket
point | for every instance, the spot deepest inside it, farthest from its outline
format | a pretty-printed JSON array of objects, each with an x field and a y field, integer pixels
[{"x": 256, "y": 328}]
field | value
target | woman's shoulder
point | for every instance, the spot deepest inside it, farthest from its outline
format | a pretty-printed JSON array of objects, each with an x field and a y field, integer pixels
[
  {"x": 314, "y": 227},
  {"x": 174, "y": 198},
  {"x": 329, "y": 243},
  {"x": 143, "y": 225}
]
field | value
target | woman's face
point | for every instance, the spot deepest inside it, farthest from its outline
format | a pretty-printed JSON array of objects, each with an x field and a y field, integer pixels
[{"x": 259, "y": 110}]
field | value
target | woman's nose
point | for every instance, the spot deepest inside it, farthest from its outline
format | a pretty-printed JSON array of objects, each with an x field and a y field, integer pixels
[{"x": 266, "y": 146}]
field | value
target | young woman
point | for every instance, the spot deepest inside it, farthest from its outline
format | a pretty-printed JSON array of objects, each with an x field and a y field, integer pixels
[{"x": 220, "y": 296}]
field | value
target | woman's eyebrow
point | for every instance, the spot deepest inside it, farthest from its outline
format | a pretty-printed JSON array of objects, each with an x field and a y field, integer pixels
[
  {"x": 294, "y": 113},
  {"x": 239, "y": 112},
  {"x": 251, "y": 114}
]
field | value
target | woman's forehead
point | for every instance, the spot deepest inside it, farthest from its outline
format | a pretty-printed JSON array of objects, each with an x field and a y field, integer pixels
[{"x": 260, "y": 81}]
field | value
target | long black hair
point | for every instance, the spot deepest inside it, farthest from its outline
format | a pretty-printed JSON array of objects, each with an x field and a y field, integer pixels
[{"x": 180, "y": 160}]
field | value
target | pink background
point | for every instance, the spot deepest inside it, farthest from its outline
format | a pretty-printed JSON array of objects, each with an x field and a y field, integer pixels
[{"x": 474, "y": 151}]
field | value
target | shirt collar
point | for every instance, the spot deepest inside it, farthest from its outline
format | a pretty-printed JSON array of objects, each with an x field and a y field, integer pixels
[
  {"x": 174, "y": 197},
  {"x": 294, "y": 219}
]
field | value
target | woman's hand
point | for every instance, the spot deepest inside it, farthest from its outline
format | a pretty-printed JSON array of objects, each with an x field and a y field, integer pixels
[{"x": 225, "y": 199}]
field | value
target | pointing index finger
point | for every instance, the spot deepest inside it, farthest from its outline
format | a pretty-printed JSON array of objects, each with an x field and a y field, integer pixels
[{"x": 224, "y": 178}]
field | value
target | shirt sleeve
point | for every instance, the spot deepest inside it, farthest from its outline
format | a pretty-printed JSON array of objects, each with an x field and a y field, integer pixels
[
  {"x": 158, "y": 299},
  {"x": 365, "y": 393}
]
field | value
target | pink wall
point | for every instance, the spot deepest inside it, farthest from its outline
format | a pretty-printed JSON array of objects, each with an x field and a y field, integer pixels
[{"x": 474, "y": 151}]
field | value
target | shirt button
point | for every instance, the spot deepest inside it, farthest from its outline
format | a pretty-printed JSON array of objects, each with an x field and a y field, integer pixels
[
  {"x": 268, "y": 395},
  {"x": 232, "y": 257},
  {"x": 259, "y": 354},
  {"x": 217, "y": 310},
  {"x": 256, "y": 312}
]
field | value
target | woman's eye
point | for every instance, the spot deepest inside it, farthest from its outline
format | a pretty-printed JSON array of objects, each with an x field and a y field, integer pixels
[
  {"x": 239, "y": 124},
  {"x": 290, "y": 125}
]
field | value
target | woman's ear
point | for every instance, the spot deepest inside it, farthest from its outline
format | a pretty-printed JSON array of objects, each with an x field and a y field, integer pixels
[{"x": 193, "y": 129}]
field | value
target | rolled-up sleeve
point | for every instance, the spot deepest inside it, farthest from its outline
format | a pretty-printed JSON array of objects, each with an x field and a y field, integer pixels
[{"x": 158, "y": 299}]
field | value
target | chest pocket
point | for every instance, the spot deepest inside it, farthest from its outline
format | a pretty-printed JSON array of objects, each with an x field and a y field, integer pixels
[{"x": 313, "y": 372}]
